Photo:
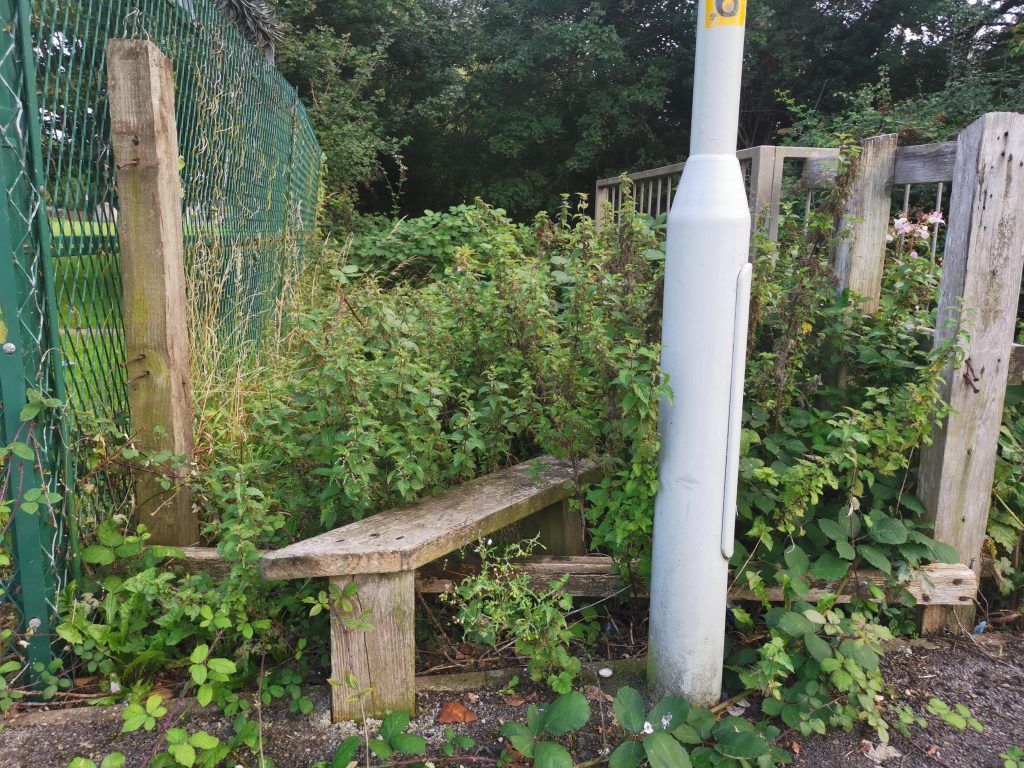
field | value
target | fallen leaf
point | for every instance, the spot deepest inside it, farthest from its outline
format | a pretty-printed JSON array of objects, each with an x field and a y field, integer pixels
[
  {"x": 454, "y": 712},
  {"x": 473, "y": 697},
  {"x": 879, "y": 753},
  {"x": 81, "y": 682},
  {"x": 517, "y": 700},
  {"x": 594, "y": 693},
  {"x": 795, "y": 747},
  {"x": 932, "y": 751}
]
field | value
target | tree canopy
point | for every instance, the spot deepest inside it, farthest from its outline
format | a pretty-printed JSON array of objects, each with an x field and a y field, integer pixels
[{"x": 425, "y": 103}]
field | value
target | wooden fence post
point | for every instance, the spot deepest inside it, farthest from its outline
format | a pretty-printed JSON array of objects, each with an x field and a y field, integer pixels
[
  {"x": 601, "y": 198},
  {"x": 857, "y": 261},
  {"x": 761, "y": 190},
  {"x": 145, "y": 142},
  {"x": 981, "y": 279}
]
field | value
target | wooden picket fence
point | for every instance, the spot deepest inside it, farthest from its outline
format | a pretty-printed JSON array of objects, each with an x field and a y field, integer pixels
[{"x": 982, "y": 261}]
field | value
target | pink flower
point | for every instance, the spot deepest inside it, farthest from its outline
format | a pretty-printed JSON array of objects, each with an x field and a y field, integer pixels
[
  {"x": 913, "y": 254},
  {"x": 935, "y": 217}
]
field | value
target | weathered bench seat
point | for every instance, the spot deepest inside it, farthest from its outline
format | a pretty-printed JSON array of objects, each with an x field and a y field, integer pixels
[{"x": 381, "y": 554}]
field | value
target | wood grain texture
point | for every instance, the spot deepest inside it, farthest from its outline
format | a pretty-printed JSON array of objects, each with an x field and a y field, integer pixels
[
  {"x": 144, "y": 136},
  {"x": 384, "y": 658},
  {"x": 858, "y": 258},
  {"x": 981, "y": 279},
  {"x": 560, "y": 529},
  {"x": 594, "y": 576},
  {"x": 1015, "y": 372},
  {"x": 924, "y": 163},
  {"x": 405, "y": 538},
  {"x": 760, "y": 188}
]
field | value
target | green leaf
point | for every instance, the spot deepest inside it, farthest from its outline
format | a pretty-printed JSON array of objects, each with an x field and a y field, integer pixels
[
  {"x": 569, "y": 712},
  {"x": 381, "y": 749},
  {"x": 346, "y": 752},
  {"x": 22, "y": 451},
  {"x": 81, "y": 762},
  {"x": 629, "y": 709},
  {"x": 665, "y": 752},
  {"x": 702, "y": 720},
  {"x": 409, "y": 743},
  {"x": 794, "y": 624},
  {"x": 797, "y": 560},
  {"x": 834, "y": 530},
  {"x": 183, "y": 753},
  {"x": 943, "y": 552},
  {"x": 519, "y": 736},
  {"x": 113, "y": 760},
  {"x": 845, "y": 550},
  {"x": 98, "y": 555},
  {"x": 70, "y": 634},
  {"x": 199, "y": 653},
  {"x": 394, "y": 724},
  {"x": 221, "y": 666},
  {"x": 109, "y": 535},
  {"x": 818, "y": 648},
  {"x": 875, "y": 557},
  {"x": 203, "y": 740},
  {"x": 204, "y": 695},
  {"x": 669, "y": 713},
  {"x": 628, "y": 754},
  {"x": 829, "y": 567},
  {"x": 865, "y": 658},
  {"x": 888, "y": 530},
  {"x": 741, "y": 745},
  {"x": 548, "y": 754}
]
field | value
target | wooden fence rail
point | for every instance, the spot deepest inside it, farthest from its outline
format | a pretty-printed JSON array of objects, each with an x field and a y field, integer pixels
[{"x": 983, "y": 259}]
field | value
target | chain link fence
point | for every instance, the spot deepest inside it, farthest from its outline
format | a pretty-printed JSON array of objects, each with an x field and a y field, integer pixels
[{"x": 250, "y": 171}]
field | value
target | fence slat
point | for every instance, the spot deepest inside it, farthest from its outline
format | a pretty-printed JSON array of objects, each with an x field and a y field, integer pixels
[
  {"x": 858, "y": 258},
  {"x": 144, "y": 136},
  {"x": 924, "y": 163},
  {"x": 980, "y": 284}
]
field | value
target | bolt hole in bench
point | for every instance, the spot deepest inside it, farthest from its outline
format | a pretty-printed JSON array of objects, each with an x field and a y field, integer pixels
[{"x": 382, "y": 553}]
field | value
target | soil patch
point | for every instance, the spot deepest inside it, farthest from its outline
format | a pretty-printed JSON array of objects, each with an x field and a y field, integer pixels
[{"x": 987, "y": 675}]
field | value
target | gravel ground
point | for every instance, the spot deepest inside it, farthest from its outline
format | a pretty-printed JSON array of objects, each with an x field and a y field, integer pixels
[{"x": 987, "y": 676}]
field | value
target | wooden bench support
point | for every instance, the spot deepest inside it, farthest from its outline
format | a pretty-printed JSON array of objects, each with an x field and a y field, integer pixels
[
  {"x": 561, "y": 531},
  {"x": 382, "y": 660}
]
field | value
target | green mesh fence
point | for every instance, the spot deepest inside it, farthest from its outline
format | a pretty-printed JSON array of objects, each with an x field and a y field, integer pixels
[{"x": 250, "y": 171}]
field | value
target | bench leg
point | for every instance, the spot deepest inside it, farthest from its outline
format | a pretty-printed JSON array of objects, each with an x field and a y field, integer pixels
[
  {"x": 561, "y": 531},
  {"x": 382, "y": 659}
]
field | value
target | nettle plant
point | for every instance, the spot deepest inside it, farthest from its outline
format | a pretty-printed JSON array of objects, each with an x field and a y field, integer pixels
[{"x": 500, "y": 604}]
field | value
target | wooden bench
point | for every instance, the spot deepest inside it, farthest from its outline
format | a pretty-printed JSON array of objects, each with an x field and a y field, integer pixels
[{"x": 381, "y": 554}]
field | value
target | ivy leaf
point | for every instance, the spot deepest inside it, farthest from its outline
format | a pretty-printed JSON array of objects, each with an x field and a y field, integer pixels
[
  {"x": 875, "y": 557},
  {"x": 889, "y": 530},
  {"x": 569, "y": 712},
  {"x": 665, "y": 752},
  {"x": 829, "y": 567},
  {"x": 628, "y": 754},
  {"x": 548, "y": 754},
  {"x": 629, "y": 709}
]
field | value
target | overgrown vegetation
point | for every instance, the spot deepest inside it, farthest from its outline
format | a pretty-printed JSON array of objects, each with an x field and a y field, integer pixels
[{"x": 420, "y": 354}]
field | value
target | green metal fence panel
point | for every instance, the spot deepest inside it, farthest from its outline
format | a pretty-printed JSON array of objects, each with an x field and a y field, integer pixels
[{"x": 250, "y": 169}]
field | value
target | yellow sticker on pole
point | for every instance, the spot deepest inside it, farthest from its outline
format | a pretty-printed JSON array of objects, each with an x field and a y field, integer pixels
[{"x": 725, "y": 13}]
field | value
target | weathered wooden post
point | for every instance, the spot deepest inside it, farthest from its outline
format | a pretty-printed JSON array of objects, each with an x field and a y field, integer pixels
[
  {"x": 981, "y": 278},
  {"x": 764, "y": 203},
  {"x": 145, "y": 141},
  {"x": 858, "y": 259},
  {"x": 601, "y": 199}
]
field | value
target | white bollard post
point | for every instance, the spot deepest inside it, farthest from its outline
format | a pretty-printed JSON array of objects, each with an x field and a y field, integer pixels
[{"x": 706, "y": 305}]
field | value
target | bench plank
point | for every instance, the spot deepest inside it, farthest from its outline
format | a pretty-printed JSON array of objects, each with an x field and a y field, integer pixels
[
  {"x": 408, "y": 537},
  {"x": 594, "y": 576}
]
